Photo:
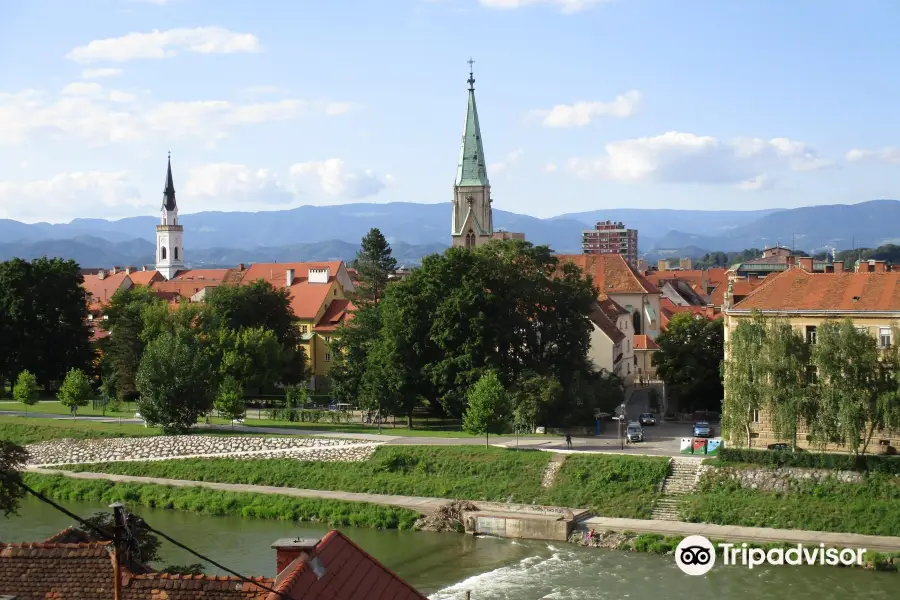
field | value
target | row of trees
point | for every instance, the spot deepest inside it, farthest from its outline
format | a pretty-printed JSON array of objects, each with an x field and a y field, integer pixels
[
  {"x": 843, "y": 388},
  {"x": 507, "y": 308},
  {"x": 178, "y": 364}
]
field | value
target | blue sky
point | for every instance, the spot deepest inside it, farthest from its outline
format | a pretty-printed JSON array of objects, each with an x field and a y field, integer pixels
[{"x": 584, "y": 104}]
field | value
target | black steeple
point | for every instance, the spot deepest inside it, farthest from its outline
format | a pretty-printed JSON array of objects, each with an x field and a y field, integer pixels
[{"x": 169, "y": 192}]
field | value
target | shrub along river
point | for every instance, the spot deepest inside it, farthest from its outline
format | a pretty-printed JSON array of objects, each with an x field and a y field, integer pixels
[{"x": 446, "y": 565}]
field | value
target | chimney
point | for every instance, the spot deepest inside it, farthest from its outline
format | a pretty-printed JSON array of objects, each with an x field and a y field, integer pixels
[
  {"x": 791, "y": 261},
  {"x": 711, "y": 311},
  {"x": 878, "y": 266},
  {"x": 287, "y": 550},
  {"x": 289, "y": 278},
  {"x": 101, "y": 274},
  {"x": 143, "y": 267},
  {"x": 838, "y": 266},
  {"x": 241, "y": 267},
  {"x": 128, "y": 270},
  {"x": 114, "y": 270},
  {"x": 806, "y": 263}
]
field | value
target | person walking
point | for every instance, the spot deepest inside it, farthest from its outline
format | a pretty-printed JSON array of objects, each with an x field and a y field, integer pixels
[{"x": 568, "y": 441}]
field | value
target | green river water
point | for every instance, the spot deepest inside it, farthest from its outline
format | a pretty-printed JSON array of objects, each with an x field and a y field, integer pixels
[{"x": 446, "y": 565}]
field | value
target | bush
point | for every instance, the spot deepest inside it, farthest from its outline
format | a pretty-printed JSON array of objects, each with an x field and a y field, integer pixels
[{"x": 812, "y": 460}]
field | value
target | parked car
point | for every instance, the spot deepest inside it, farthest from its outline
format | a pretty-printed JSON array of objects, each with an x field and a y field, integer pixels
[
  {"x": 634, "y": 432},
  {"x": 647, "y": 419},
  {"x": 702, "y": 429},
  {"x": 782, "y": 446}
]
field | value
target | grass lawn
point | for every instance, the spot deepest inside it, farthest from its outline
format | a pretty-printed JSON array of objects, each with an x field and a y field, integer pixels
[
  {"x": 443, "y": 472},
  {"x": 869, "y": 507},
  {"x": 611, "y": 486},
  {"x": 55, "y": 407}
]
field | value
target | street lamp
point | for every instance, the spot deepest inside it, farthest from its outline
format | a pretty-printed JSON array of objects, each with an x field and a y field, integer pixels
[{"x": 621, "y": 418}]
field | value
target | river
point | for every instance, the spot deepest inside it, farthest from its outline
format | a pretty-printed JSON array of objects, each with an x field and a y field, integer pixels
[{"x": 446, "y": 565}]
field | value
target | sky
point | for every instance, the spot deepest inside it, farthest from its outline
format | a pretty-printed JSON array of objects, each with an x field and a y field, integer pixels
[{"x": 584, "y": 104}]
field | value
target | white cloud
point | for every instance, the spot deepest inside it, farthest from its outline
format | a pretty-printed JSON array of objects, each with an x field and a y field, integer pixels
[
  {"x": 565, "y": 6},
  {"x": 334, "y": 109},
  {"x": 165, "y": 44},
  {"x": 582, "y": 113},
  {"x": 888, "y": 154},
  {"x": 84, "y": 112},
  {"x": 678, "y": 157},
  {"x": 550, "y": 168},
  {"x": 100, "y": 73},
  {"x": 64, "y": 197},
  {"x": 82, "y": 88},
  {"x": 334, "y": 179},
  {"x": 760, "y": 182},
  {"x": 227, "y": 185},
  {"x": 507, "y": 161}
]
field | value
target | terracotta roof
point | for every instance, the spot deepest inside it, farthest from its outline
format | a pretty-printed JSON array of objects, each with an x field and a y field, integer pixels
[
  {"x": 692, "y": 276},
  {"x": 601, "y": 319},
  {"x": 39, "y": 571},
  {"x": 101, "y": 290},
  {"x": 162, "y": 586},
  {"x": 716, "y": 275},
  {"x": 276, "y": 273},
  {"x": 742, "y": 287},
  {"x": 643, "y": 342},
  {"x": 338, "y": 312},
  {"x": 188, "y": 282},
  {"x": 796, "y": 289},
  {"x": 350, "y": 573},
  {"x": 612, "y": 308},
  {"x": 69, "y": 535},
  {"x": 145, "y": 277},
  {"x": 611, "y": 273}
]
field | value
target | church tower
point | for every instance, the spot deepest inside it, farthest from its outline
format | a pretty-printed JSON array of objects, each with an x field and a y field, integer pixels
[
  {"x": 169, "y": 249},
  {"x": 473, "y": 223}
]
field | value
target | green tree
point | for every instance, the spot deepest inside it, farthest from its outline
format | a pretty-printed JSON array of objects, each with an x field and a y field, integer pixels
[
  {"x": 12, "y": 461},
  {"x": 25, "y": 390},
  {"x": 533, "y": 398},
  {"x": 76, "y": 390},
  {"x": 43, "y": 320},
  {"x": 146, "y": 544},
  {"x": 488, "y": 407},
  {"x": 850, "y": 389},
  {"x": 230, "y": 399},
  {"x": 690, "y": 350},
  {"x": 374, "y": 264},
  {"x": 785, "y": 385},
  {"x": 252, "y": 356},
  {"x": 176, "y": 381},
  {"x": 743, "y": 376},
  {"x": 350, "y": 347},
  {"x": 126, "y": 316}
]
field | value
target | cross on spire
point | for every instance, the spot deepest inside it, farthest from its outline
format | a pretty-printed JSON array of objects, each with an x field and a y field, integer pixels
[{"x": 471, "y": 80}]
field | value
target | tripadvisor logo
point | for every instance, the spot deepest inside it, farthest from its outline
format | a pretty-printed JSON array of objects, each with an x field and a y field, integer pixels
[{"x": 696, "y": 555}]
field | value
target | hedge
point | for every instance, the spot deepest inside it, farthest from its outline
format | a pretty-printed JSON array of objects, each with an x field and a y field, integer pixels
[{"x": 812, "y": 460}]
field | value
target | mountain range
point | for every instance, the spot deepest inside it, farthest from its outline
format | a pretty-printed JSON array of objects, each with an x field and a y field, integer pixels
[{"x": 415, "y": 230}]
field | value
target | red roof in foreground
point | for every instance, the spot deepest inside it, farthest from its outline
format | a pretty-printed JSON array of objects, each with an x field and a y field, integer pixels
[
  {"x": 350, "y": 573},
  {"x": 797, "y": 289},
  {"x": 643, "y": 342}
]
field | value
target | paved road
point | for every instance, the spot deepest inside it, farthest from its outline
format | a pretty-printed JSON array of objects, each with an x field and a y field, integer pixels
[{"x": 426, "y": 505}]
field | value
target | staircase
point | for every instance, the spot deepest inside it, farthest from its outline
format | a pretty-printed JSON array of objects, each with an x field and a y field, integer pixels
[{"x": 681, "y": 480}]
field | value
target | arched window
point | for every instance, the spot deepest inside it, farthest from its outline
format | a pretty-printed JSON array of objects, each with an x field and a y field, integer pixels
[
  {"x": 636, "y": 319},
  {"x": 175, "y": 252},
  {"x": 162, "y": 253},
  {"x": 470, "y": 239}
]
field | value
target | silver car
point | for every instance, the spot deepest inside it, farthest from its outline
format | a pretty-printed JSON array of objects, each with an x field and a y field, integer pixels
[{"x": 634, "y": 433}]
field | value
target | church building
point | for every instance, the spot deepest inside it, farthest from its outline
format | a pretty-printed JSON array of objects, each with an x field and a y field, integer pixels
[
  {"x": 169, "y": 234},
  {"x": 473, "y": 221}
]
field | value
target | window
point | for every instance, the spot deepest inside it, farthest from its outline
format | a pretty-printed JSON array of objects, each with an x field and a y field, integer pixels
[
  {"x": 303, "y": 329},
  {"x": 327, "y": 338},
  {"x": 327, "y": 357},
  {"x": 628, "y": 345},
  {"x": 812, "y": 375},
  {"x": 810, "y": 334},
  {"x": 334, "y": 292},
  {"x": 90, "y": 317},
  {"x": 884, "y": 337},
  {"x": 175, "y": 252},
  {"x": 629, "y": 368},
  {"x": 756, "y": 415},
  {"x": 162, "y": 253}
]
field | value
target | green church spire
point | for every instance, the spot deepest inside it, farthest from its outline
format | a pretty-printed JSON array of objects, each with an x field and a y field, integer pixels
[{"x": 472, "y": 170}]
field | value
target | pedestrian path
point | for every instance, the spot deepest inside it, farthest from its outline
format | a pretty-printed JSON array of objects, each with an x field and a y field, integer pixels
[
  {"x": 681, "y": 480},
  {"x": 426, "y": 505}
]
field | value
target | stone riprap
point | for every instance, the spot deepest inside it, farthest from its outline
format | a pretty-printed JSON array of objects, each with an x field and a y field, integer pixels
[
  {"x": 66, "y": 451},
  {"x": 781, "y": 479}
]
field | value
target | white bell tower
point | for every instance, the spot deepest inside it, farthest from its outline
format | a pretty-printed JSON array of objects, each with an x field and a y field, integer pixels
[{"x": 169, "y": 234}]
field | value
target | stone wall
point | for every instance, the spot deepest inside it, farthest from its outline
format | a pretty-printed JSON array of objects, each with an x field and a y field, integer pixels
[
  {"x": 776, "y": 479},
  {"x": 762, "y": 433},
  {"x": 66, "y": 451}
]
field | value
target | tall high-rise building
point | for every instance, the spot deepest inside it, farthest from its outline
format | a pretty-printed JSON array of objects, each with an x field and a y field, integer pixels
[{"x": 609, "y": 237}]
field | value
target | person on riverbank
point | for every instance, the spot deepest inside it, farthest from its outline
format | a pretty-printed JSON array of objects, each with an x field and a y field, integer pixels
[{"x": 568, "y": 441}]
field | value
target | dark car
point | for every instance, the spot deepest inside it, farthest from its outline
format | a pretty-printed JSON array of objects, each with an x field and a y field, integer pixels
[
  {"x": 782, "y": 447},
  {"x": 647, "y": 419},
  {"x": 702, "y": 429}
]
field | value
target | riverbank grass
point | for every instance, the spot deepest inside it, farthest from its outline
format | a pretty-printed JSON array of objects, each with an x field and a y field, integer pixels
[
  {"x": 218, "y": 503},
  {"x": 22, "y": 430}
]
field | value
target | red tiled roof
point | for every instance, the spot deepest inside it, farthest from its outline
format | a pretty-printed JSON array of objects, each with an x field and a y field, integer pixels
[
  {"x": 306, "y": 298},
  {"x": 101, "y": 290},
  {"x": 601, "y": 319},
  {"x": 611, "y": 273},
  {"x": 643, "y": 342},
  {"x": 612, "y": 308},
  {"x": 38, "y": 571},
  {"x": 162, "y": 586},
  {"x": 145, "y": 277},
  {"x": 338, "y": 312},
  {"x": 350, "y": 573},
  {"x": 716, "y": 275},
  {"x": 797, "y": 289},
  {"x": 188, "y": 282},
  {"x": 742, "y": 287},
  {"x": 692, "y": 276}
]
